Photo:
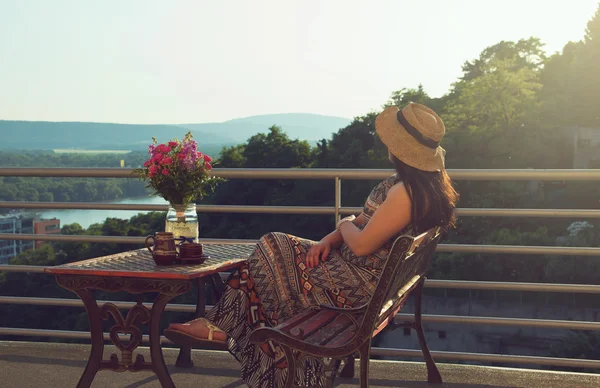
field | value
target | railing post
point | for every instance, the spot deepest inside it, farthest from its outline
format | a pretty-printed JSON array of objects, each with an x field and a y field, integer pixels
[{"x": 338, "y": 198}]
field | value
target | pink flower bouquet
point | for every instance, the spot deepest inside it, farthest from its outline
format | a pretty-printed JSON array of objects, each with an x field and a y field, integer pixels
[{"x": 178, "y": 171}]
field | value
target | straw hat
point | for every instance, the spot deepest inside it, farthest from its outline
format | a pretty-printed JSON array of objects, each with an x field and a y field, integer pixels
[{"x": 413, "y": 135}]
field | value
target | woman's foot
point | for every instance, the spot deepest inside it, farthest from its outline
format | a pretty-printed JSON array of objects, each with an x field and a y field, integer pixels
[{"x": 198, "y": 332}]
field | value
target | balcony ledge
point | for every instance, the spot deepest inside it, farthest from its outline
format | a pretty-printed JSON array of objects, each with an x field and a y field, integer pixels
[{"x": 41, "y": 364}]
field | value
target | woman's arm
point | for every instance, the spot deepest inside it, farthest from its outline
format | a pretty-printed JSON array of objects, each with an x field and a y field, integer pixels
[
  {"x": 335, "y": 238},
  {"x": 390, "y": 218}
]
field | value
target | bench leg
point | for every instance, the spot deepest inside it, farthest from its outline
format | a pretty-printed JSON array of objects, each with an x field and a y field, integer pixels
[
  {"x": 365, "y": 354},
  {"x": 433, "y": 374},
  {"x": 348, "y": 369},
  {"x": 291, "y": 361}
]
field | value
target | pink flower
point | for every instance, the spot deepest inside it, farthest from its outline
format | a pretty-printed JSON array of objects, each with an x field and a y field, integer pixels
[
  {"x": 173, "y": 144},
  {"x": 158, "y": 157},
  {"x": 166, "y": 161},
  {"x": 181, "y": 156},
  {"x": 207, "y": 159},
  {"x": 164, "y": 148},
  {"x": 147, "y": 162},
  {"x": 165, "y": 171},
  {"x": 208, "y": 166},
  {"x": 153, "y": 169}
]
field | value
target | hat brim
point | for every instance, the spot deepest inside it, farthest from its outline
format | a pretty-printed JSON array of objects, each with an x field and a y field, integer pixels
[{"x": 403, "y": 146}]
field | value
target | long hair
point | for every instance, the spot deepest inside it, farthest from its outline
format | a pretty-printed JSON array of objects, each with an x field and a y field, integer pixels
[{"x": 432, "y": 196}]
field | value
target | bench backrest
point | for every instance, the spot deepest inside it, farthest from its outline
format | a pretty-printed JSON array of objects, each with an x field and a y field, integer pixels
[{"x": 406, "y": 265}]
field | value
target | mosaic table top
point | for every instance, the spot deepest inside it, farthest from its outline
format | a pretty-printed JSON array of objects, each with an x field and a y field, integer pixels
[{"x": 139, "y": 264}]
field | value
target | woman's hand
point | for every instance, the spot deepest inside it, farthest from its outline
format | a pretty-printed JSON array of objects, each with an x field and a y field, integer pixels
[{"x": 317, "y": 252}]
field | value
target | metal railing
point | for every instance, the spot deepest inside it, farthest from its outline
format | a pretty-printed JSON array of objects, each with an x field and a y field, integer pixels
[{"x": 337, "y": 210}]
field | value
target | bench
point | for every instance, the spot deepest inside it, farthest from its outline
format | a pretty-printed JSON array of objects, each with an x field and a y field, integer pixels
[{"x": 333, "y": 334}]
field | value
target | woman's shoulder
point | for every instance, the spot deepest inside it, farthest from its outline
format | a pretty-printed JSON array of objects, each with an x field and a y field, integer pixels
[
  {"x": 391, "y": 181},
  {"x": 380, "y": 191}
]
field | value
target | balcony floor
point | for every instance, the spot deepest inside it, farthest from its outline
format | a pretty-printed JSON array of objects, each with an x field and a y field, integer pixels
[{"x": 31, "y": 364}]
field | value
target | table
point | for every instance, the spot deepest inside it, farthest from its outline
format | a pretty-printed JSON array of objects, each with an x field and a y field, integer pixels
[{"x": 136, "y": 273}]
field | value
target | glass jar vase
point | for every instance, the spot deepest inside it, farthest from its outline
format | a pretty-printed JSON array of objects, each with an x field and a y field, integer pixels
[{"x": 182, "y": 221}]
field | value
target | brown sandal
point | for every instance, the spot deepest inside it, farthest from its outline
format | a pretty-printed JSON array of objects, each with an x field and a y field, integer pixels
[{"x": 182, "y": 338}]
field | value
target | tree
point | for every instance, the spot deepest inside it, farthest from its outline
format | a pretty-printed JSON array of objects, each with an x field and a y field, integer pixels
[
  {"x": 233, "y": 157},
  {"x": 47, "y": 196},
  {"x": 8, "y": 192},
  {"x": 592, "y": 32},
  {"x": 526, "y": 53},
  {"x": 283, "y": 151},
  {"x": 271, "y": 150},
  {"x": 30, "y": 194},
  {"x": 571, "y": 82},
  {"x": 488, "y": 119},
  {"x": 402, "y": 97}
]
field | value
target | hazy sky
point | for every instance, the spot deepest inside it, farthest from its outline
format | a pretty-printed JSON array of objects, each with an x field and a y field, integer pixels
[{"x": 180, "y": 61}]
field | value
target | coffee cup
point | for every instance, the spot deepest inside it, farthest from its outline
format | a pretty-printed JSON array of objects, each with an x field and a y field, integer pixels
[{"x": 190, "y": 251}]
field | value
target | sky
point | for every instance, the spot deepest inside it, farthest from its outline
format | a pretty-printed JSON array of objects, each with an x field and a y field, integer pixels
[{"x": 194, "y": 61}]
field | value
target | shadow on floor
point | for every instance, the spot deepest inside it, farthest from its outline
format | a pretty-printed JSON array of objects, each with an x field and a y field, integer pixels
[{"x": 226, "y": 372}]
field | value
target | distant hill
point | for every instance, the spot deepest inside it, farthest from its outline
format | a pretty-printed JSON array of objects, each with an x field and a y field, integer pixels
[
  {"x": 44, "y": 135},
  {"x": 304, "y": 126}
]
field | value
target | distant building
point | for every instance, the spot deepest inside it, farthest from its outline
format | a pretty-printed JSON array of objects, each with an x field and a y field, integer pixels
[
  {"x": 23, "y": 224},
  {"x": 45, "y": 227},
  {"x": 15, "y": 224},
  {"x": 586, "y": 147}
]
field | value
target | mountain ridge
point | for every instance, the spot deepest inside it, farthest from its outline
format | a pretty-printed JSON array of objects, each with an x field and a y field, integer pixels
[{"x": 47, "y": 135}]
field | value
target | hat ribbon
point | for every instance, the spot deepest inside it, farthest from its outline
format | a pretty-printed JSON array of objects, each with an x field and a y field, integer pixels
[{"x": 414, "y": 132}]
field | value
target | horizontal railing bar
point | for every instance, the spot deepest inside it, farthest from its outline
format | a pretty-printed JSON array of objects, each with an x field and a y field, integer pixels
[
  {"x": 319, "y": 173},
  {"x": 517, "y": 174},
  {"x": 81, "y": 206},
  {"x": 65, "y": 302},
  {"x": 485, "y": 357},
  {"x": 163, "y": 208},
  {"x": 108, "y": 239},
  {"x": 518, "y": 249},
  {"x": 428, "y": 318},
  {"x": 22, "y": 268},
  {"x": 513, "y": 286},
  {"x": 546, "y": 213},
  {"x": 326, "y": 210},
  {"x": 442, "y": 355},
  {"x": 463, "y": 248},
  {"x": 521, "y": 322},
  {"x": 429, "y": 283},
  {"x": 85, "y": 335}
]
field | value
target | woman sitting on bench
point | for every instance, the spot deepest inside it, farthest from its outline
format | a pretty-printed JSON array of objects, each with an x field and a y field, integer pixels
[{"x": 286, "y": 275}]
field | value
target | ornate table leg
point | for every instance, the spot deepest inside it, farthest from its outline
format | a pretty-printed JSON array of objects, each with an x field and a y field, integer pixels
[
  {"x": 158, "y": 361},
  {"x": 184, "y": 359},
  {"x": 93, "y": 364},
  {"x": 166, "y": 289}
]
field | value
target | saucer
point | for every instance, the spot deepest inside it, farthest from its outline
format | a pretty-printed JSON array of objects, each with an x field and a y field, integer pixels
[{"x": 193, "y": 260}]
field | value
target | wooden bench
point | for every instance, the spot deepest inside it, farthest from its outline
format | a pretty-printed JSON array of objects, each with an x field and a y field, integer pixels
[{"x": 334, "y": 334}]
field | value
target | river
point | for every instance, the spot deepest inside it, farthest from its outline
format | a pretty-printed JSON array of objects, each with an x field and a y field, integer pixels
[{"x": 85, "y": 218}]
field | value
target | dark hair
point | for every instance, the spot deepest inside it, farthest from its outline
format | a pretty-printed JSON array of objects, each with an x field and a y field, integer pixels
[{"x": 432, "y": 196}]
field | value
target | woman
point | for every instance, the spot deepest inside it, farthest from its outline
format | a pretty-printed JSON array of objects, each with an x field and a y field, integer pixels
[{"x": 286, "y": 274}]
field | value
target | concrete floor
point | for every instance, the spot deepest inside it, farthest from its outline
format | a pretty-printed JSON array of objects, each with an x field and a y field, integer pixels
[{"x": 37, "y": 364}]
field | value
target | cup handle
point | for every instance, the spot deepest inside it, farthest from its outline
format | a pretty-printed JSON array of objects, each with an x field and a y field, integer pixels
[{"x": 147, "y": 245}]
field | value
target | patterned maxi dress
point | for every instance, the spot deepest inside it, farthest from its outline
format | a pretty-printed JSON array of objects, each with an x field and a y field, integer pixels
[{"x": 275, "y": 284}]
